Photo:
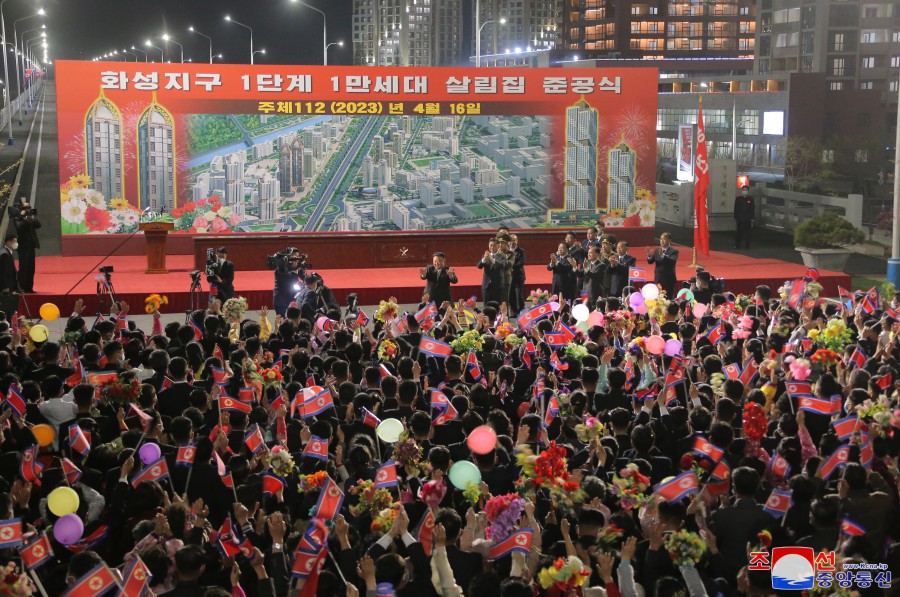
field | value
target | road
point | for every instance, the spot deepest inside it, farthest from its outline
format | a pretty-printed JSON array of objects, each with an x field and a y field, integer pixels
[{"x": 327, "y": 192}]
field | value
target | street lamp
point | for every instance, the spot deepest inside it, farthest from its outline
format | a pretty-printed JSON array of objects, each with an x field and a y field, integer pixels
[
  {"x": 263, "y": 52},
  {"x": 208, "y": 38},
  {"x": 218, "y": 57},
  {"x": 134, "y": 49},
  {"x": 39, "y": 13},
  {"x": 324, "y": 30},
  {"x": 5, "y": 70},
  {"x": 478, "y": 27},
  {"x": 162, "y": 53},
  {"x": 340, "y": 44},
  {"x": 168, "y": 39},
  {"x": 126, "y": 52},
  {"x": 248, "y": 28},
  {"x": 502, "y": 21}
]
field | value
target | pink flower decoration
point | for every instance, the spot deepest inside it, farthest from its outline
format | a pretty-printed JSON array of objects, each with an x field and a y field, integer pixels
[
  {"x": 800, "y": 369},
  {"x": 234, "y": 219},
  {"x": 740, "y": 334},
  {"x": 200, "y": 222},
  {"x": 746, "y": 322},
  {"x": 219, "y": 225}
]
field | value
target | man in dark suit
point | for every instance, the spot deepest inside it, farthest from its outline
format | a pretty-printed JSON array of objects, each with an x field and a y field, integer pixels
[
  {"x": 493, "y": 263},
  {"x": 665, "y": 257},
  {"x": 564, "y": 268},
  {"x": 738, "y": 524},
  {"x": 619, "y": 265},
  {"x": 176, "y": 398},
  {"x": 466, "y": 565},
  {"x": 592, "y": 275},
  {"x": 575, "y": 249},
  {"x": 744, "y": 213},
  {"x": 27, "y": 224},
  {"x": 592, "y": 239},
  {"x": 438, "y": 278},
  {"x": 517, "y": 289},
  {"x": 9, "y": 283},
  {"x": 223, "y": 277}
]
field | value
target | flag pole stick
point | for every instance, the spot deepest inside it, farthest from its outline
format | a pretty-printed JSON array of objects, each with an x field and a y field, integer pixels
[
  {"x": 187, "y": 481},
  {"x": 693, "y": 262},
  {"x": 336, "y": 565},
  {"x": 37, "y": 582}
]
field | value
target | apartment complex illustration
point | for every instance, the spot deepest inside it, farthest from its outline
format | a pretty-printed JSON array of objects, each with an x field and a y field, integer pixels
[
  {"x": 156, "y": 159},
  {"x": 581, "y": 157},
  {"x": 103, "y": 147},
  {"x": 621, "y": 170}
]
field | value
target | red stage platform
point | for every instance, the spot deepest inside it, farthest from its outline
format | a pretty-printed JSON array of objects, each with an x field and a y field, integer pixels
[{"x": 57, "y": 275}]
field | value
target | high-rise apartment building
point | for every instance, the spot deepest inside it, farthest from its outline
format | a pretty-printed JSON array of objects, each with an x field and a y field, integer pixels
[
  {"x": 407, "y": 32},
  {"x": 156, "y": 158},
  {"x": 534, "y": 24},
  {"x": 581, "y": 157},
  {"x": 103, "y": 147},
  {"x": 658, "y": 29}
]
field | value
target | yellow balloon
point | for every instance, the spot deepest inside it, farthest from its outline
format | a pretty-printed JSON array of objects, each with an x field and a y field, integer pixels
[
  {"x": 62, "y": 501},
  {"x": 49, "y": 312},
  {"x": 44, "y": 434},
  {"x": 39, "y": 333}
]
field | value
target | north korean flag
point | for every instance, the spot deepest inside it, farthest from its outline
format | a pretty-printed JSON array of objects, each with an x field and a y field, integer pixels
[
  {"x": 10, "y": 533},
  {"x": 316, "y": 448},
  {"x": 448, "y": 414},
  {"x": 636, "y": 274},
  {"x": 135, "y": 411},
  {"x": 315, "y": 536},
  {"x": 871, "y": 302},
  {"x": 186, "y": 455},
  {"x": 369, "y": 419},
  {"x": 37, "y": 553},
  {"x": 556, "y": 339},
  {"x": 853, "y": 529},
  {"x": 798, "y": 389},
  {"x": 706, "y": 448},
  {"x": 217, "y": 352},
  {"x": 387, "y": 476},
  {"x": 155, "y": 471},
  {"x": 866, "y": 453},
  {"x": 750, "y": 372},
  {"x": 674, "y": 377},
  {"x": 385, "y": 589},
  {"x": 847, "y": 298},
  {"x": 678, "y": 488},
  {"x": 136, "y": 578},
  {"x": 534, "y": 314},
  {"x": 316, "y": 400},
  {"x": 795, "y": 294},
  {"x": 361, "y": 318},
  {"x": 331, "y": 498},
  {"x": 439, "y": 400},
  {"x": 166, "y": 383},
  {"x": 254, "y": 440},
  {"x": 15, "y": 401},
  {"x": 556, "y": 363},
  {"x": 563, "y": 328},
  {"x": 198, "y": 333},
  {"x": 472, "y": 365},
  {"x": 90, "y": 542},
  {"x": 647, "y": 394},
  {"x": 279, "y": 401},
  {"x": 716, "y": 333},
  {"x": 778, "y": 467},
  {"x": 847, "y": 426},
  {"x": 885, "y": 381},
  {"x": 719, "y": 479},
  {"x": 79, "y": 375},
  {"x": 78, "y": 442},
  {"x": 219, "y": 375},
  {"x": 837, "y": 459},
  {"x": 226, "y": 477},
  {"x": 819, "y": 405},
  {"x": 429, "y": 310},
  {"x": 272, "y": 484},
  {"x": 72, "y": 472},
  {"x": 434, "y": 348},
  {"x": 732, "y": 371},
  {"x": 226, "y": 542},
  {"x": 306, "y": 562},
  {"x": 425, "y": 531},
  {"x": 30, "y": 468},
  {"x": 858, "y": 357},
  {"x": 779, "y": 502},
  {"x": 230, "y": 404},
  {"x": 93, "y": 584},
  {"x": 552, "y": 411},
  {"x": 246, "y": 395},
  {"x": 520, "y": 542}
]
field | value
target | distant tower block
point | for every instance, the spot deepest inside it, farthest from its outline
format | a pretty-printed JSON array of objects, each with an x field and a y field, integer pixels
[
  {"x": 285, "y": 169},
  {"x": 103, "y": 147},
  {"x": 620, "y": 191},
  {"x": 297, "y": 164},
  {"x": 156, "y": 158},
  {"x": 581, "y": 157}
]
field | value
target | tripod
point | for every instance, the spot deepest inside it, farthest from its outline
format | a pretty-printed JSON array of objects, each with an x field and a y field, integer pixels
[
  {"x": 105, "y": 289},
  {"x": 195, "y": 296}
]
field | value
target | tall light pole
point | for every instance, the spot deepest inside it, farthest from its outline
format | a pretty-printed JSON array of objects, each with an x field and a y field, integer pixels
[
  {"x": 248, "y": 28},
  {"x": 6, "y": 71},
  {"x": 263, "y": 52},
  {"x": 478, "y": 39},
  {"x": 324, "y": 30},
  {"x": 734, "y": 127},
  {"x": 208, "y": 38},
  {"x": 39, "y": 13},
  {"x": 334, "y": 43},
  {"x": 136, "y": 50},
  {"x": 168, "y": 39},
  {"x": 893, "y": 270},
  {"x": 127, "y": 53},
  {"x": 162, "y": 53}
]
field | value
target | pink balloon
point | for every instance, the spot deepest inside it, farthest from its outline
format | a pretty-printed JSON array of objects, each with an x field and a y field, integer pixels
[
  {"x": 641, "y": 309},
  {"x": 655, "y": 344},
  {"x": 482, "y": 439},
  {"x": 149, "y": 452},
  {"x": 672, "y": 347},
  {"x": 596, "y": 318},
  {"x": 699, "y": 310},
  {"x": 68, "y": 529},
  {"x": 636, "y": 299}
]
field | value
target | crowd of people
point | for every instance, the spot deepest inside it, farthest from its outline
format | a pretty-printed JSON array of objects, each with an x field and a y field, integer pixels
[{"x": 596, "y": 445}]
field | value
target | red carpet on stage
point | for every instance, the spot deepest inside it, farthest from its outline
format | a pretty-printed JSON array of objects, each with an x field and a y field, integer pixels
[{"x": 57, "y": 275}]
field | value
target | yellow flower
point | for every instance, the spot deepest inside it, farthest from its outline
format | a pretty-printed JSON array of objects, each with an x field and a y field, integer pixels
[
  {"x": 644, "y": 194},
  {"x": 79, "y": 181},
  {"x": 119, "y": 204},
  {"x": 813, "y": 334}
]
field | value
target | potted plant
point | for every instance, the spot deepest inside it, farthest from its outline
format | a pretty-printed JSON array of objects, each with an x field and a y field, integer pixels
[{"x": 822, "y": 241}]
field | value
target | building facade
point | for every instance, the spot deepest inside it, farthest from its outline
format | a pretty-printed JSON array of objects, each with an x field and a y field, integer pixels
[
  {"x": 530, "y": 25},
  {"x": 407, "y": 32},
  {"x": 581, "y": 157},
  {"x": 156, "y": 159},
  {"x": 103, "y": 147}
]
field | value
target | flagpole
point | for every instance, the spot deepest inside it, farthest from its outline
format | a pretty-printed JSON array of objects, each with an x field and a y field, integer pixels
[
  {"x": 336, "y": 565},
  {"x": 187, "y": 481},
  {"x": 37, "y": 582}
]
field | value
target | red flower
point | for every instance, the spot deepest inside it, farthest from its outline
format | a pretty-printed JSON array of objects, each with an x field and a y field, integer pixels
[
  {"x": 215, "y": 206},
  {"x": 189, "y": 207},
  {"x": 632, "y": 221},
  {"x": 96, "y": 219},
  {"x": 177, "y": 212},
  {"x": 687, "y": 461},
  {"x": 570, "y": 486},
  {"x": 214, "y": 199},
  {"x": 705, "y": 464}
]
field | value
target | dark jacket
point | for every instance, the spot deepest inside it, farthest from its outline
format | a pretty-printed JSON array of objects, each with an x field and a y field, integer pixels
[
  {"x": 744, "y": 208},
  {"x": 493, "y": 278},
  {"x": 26, "y": 229},
  {"x": 592, "y": 279},
  {"x": 437, "y": 284},
  {"x": 737, "y": 525},
  {"x": 518, "y": 269},
  {"x": 664, "y": 275},
  {"x": 226, "y": 286},
  {"x": 8, "y": 279},
  {"x": 619, "y": 278},
  {"x": 565, "y": 280}
]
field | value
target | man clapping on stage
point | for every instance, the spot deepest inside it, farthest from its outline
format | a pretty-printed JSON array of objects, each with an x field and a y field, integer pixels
[{"x": 438, "y": 278}]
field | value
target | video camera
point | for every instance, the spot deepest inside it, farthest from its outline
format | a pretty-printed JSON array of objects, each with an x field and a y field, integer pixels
[
  {"x": 212, "y": 263},
  {"x": 716, "y": 285},
  {"x": 281, "y": 261},
  {"x": 106, "y": 269}
]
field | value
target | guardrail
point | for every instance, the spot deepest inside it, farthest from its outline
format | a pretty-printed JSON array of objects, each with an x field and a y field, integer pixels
[{"x": 5, "y": 113}]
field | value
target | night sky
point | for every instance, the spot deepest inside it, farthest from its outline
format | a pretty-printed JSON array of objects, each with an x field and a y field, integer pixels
[{"x": 289, "y": 32}]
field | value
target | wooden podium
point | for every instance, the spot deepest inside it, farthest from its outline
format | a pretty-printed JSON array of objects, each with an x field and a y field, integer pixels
[{"x": 156, "y": 234}]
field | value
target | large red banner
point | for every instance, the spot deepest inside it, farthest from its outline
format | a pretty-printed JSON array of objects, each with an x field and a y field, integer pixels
[{"x": 219, "y": 148}]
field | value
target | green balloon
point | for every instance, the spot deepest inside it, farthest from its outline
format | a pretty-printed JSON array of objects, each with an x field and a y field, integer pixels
[{"x": 464, "y": 474}]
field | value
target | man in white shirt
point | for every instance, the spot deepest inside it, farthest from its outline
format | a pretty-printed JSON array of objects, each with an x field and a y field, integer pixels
[{"x": 56, "y": 408}]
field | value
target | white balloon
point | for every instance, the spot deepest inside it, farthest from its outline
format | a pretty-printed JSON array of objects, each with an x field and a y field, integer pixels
[
  {"x": 580, "y": 312},
  {"x": 650, "y": 291}
]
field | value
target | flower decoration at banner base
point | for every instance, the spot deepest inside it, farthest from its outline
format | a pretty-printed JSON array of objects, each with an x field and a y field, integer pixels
[
  {"x": 538, "y": 296},
  {"x": 387, "y": 311},
  {"x": 610, "y": 538},
  {"x": 282, "y": 464},
  {"x": 589, "y": 431},
  {"x": 565, "y": 575},
  {"x": 84, "y": 210},
  {"x": 614, "y": 218},
  {"x": 153, "y": 302},
  {"x": 503, "y": 513},
  {"x": 685, "y": 548},
  {"x": 388, "y": 350},
  {"x": 408, "y": 454},
  {"x": 630, "y": 486},
  {"x": 470, "y": 340},
  {"x": 234, "y": 308},
  {"x": 547, "y": 472},
  {"x": 121, "y": 393},
  {"x": 205, "y": 215},
  {"x": 642, "y": 211}
]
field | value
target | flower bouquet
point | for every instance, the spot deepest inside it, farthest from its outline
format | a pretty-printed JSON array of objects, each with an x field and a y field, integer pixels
[
  {"x": 878, "y": 411},
  {"x": 408, "y": 453},
  {"x": 311, "y": 482},
  {"x": 656, "y": 308},
  {"x": 547, "y": 471},
  {"x": 629, "y": 487},
  {"x": 271, "y": 378},
  {"x": 282, "y": 464},
  {"x": 825, "y": 357},
  {"x": 472, "y": 494},
  {"x": 618, "y": 321},
  {"x": 836, "y": 335},
  {"x": 121, "y": 393},
  {"x": 513, "y": 340},
  {"x": 503, "y": 512},
  {"x": 589, "y": 430},
  {"x": 153, "y": 302},
  {"x": 384, "y": 519},
  {"x": 565, "y": 574},
  {"x": 469, "y": 341},
  {"x": 800, "y": 369},
  {"x": 387, "y": 311},
  {"x": 388, "y": 350},
  {"x": 234, "y": 308},
  {"x": 370, "y": 499},
  {"x": 15, "y": 583},
  {"x": 433, "y": 492},
  {"x": 504, "y": 330},
  {"x": 610, "y": 538},
  {"x": 576, "y": 351},
  {"x": 539, "y": 296},
  {"x": 685, "y": 548}
]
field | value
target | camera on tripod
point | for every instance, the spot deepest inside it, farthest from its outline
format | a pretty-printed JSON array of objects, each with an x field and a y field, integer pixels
[
  {"x": 106, "y": 269},
  {"x": 280, "y": 261},
  {"x": 212, "y": 263}
]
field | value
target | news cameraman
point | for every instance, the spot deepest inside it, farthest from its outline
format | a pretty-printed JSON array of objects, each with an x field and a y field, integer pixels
[
  {"x": 220, "y": 274},
  {"x": 290, "y": 270},
  {"x": 308, "y": 300},
  {"x": 25, "y": 219}
]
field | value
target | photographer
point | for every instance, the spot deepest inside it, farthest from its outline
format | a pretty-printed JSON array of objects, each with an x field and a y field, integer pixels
[
  {"x": 290, "y": 269},
  {"x": 308, "y": 300},
  {"x": 220, "y": 274},
  {"x": 25, "y": 219}
]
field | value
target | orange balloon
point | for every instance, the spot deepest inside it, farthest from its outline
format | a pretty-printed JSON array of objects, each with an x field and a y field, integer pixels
[{"x": 44, "y": 434}]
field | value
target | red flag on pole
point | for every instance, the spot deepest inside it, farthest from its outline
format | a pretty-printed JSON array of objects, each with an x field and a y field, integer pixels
[{"x": 701, "y": 184}]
